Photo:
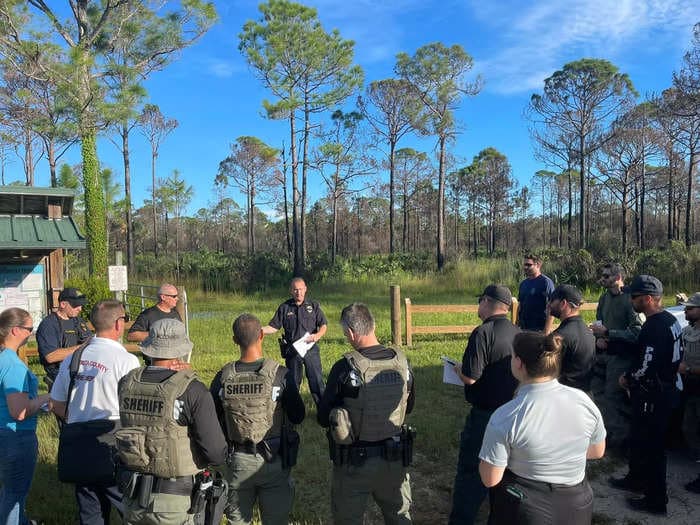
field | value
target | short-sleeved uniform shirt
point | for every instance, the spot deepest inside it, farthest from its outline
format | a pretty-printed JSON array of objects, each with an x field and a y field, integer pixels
[
  {"x": 15, "y": 378},
  {"x": 533, "y": 295},
  {"x": 149, "y": 316},
  {"x": 298, "y": 319},
  {"x": 54, "y": 332},
  {"x": 103, "y": 363},
  {"x": 578, "y": 353},
  {"x": 543, "y": 434},
  {"x": 487, "y": 360}
]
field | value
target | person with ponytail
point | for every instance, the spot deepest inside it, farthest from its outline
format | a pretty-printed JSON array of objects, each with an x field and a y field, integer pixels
[
  {"x": 19, "y": 404},
  {"x": 534, "y": 451}
]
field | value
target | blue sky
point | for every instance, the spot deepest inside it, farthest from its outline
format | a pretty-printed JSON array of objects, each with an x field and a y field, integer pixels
[{"x": 515, "y": 45}]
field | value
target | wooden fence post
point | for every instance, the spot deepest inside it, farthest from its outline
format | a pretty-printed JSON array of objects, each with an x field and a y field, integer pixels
[
  {"x": 395, "y": 294},
  {"x": 409, "y": 322}
]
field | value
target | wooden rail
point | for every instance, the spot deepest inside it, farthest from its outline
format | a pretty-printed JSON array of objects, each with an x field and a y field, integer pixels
[{"x": 412, "y": 329}]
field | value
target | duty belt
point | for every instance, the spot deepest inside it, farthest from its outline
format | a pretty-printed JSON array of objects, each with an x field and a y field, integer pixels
[{"x": 253, "y": 448}]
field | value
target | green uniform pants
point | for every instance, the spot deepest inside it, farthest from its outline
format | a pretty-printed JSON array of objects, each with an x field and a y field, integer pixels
[
  {"x": 691, "y": 425},
  {"x": 251, "y": 479},
  {"x": 386, "y": 481},
  {"x": 610, "y": 397},
  {"x": 163, "y": 509}
]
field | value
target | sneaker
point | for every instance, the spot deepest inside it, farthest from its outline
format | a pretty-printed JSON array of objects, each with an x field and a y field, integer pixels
[
  {"x": 646, "y": 505},
  {"x": 693, "y": 486},
  {"x": 626, "y": 483}
]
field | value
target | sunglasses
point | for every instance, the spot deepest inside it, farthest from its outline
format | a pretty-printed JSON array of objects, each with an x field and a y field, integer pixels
[
  {"x": 169, "y": 295},
  {"x": 125, "y": 317},
  {"x": 29, "y": 329}
]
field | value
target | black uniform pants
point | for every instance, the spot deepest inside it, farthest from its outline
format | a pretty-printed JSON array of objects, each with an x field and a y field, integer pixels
[
  {"x": 314, "y": 375},
  {"x": 521, "y": 501},
  {"x": 650, "y": 419}
]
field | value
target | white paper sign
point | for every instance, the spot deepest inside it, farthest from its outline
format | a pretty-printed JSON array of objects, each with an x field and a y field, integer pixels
[
  {"x": 449, "y": 376},
  {"x": 301, "y": 346},
  {"x": 118, "y": 280}
]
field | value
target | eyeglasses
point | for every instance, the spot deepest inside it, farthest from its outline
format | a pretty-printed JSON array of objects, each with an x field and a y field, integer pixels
[
  {"x": 527, "y": 265},
  {"x": 481, "y": 299},
  {"x": 125, "y": 317},
  {"x": 169, "y": 295},
  {"x": 29, "y": 329}
]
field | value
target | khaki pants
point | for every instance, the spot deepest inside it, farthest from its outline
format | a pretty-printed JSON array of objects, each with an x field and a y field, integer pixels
[
  {"x": 251, "y": 479},
  {"x": 163, "y": 509},
  {"x": 386, "y": 481}
]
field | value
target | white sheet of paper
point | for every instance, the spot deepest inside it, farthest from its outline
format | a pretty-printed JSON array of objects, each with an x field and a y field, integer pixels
[
  {"x": 301, "y": 346},
  {"x": 449, "y": 376}
]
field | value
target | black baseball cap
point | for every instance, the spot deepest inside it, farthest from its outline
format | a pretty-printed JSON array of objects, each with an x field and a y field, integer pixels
[
  {"x": 499, "y": 293},
  {"x": 645, "y": 285},
  {"x": 568, "y": 293},
  {"x": 73, "y": 297}
]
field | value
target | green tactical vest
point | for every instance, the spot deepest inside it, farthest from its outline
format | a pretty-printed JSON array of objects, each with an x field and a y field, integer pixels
[
  {"x": 380, "y": 407},
  {"x": 150, "y": 440},
  {"x": 250, "y": 412}
]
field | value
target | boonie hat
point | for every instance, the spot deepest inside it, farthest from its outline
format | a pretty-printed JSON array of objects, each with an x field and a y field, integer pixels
[
  {"x": 645, "y": 285},
  {"x": 73, "y": 297},
  {"x": 693, "y": 301},
  {"x": 167, "y": 339},
  {"x": 499, "y": 293},
  {"x": 568, "y": 293}
]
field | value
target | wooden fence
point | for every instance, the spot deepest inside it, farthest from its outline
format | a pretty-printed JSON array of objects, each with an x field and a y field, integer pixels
[{"x": 413, "y": 329}]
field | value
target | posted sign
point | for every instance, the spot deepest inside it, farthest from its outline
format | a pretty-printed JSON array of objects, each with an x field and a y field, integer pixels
[{"x": 118, "y": 281}]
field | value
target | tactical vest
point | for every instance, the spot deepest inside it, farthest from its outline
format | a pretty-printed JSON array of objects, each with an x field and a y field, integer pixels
[
  {"x": 151, "y": 440},
  {"x": 250, "y": 412},
  {"x": 380, "y": 407}
]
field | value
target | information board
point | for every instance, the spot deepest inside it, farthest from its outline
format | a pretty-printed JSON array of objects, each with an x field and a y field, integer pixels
[{"x": 23, "y": 286}]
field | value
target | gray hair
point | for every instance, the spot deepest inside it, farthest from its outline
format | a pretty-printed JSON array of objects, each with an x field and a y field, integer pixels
[{"x": 357, "y": 317}]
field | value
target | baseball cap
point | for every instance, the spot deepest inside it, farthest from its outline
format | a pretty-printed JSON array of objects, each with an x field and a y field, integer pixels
[
  {"x": 499, "y": 293},
  {"x": 693, "y": 301},
  {"x": 645, "y": 285},
  {"x": 167, "y": 339},
  {"x": 568, "y": 293},
  {"x": 72, "y": 296}
]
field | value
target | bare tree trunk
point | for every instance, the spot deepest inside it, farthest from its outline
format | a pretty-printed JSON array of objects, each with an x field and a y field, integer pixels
[
  {"x": 154, "y": 155},
  {"x": 304, "y": 172},
  {"x": 392, "y": 147},
  {"x": 669, "y": 222},
  {"x": 689, "y": 199},
  {"x": 296, "y": 234},
  {"x": 582, "y": 194},
  {"x": 441, "y": 207},
  {"x": 130, "y": 263}
]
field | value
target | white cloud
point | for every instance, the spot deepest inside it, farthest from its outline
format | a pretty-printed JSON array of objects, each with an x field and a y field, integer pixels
[
  {"x": 222, "y": 68},
  {"x": 535, "y": 40}
]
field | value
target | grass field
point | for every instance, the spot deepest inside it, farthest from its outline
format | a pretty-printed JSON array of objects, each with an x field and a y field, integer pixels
[{"x": 438, "y": 415}]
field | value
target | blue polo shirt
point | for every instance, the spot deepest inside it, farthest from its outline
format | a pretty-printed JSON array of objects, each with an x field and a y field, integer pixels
[
  {"x": 15, "y": 377},
  {"x": 533, "y": 296}
]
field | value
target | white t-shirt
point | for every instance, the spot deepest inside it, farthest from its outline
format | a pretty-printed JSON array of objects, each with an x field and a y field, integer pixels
[
  {"x": 103, "y": 363},
  {"x": 544, "y": 433}
]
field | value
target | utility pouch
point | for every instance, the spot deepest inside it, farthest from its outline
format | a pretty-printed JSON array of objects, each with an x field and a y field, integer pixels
[
  {"x": 341, "y": 426},
  {"x": 357, "y": 456},
  {"x": 393, "y": 449},
  {"x": 145, "y": 488},
  {"x": 131, "y": 446},
  {"x": 202, "y": 485},
  {"x": 289, "y": 446}
]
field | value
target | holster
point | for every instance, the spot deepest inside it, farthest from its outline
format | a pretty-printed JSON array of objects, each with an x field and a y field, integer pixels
[
  {"x": 408, "y": 435},
  {"x": 393, "y": 449},
  {"x": 285, "y": 348},
  {"x": 289, "y": 446}
]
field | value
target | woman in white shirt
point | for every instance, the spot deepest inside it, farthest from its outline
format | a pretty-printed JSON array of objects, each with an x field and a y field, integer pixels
[{"x": 535, "y": 447}]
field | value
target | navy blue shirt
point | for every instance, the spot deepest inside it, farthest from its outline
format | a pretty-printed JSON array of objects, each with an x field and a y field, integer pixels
[
  {"x": 297, "y": 320},
  {"x": 54, "y": 333},
  {"x": 533, "y": 295}
]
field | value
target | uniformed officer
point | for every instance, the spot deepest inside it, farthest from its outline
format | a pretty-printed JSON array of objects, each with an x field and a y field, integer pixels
[
  {"x": 654, "y": 387},
  {"x": 62, "y": 331},
  {"x": 301, "y": 318},
  {"x": 169, "y": 430},
  {"x": 488, "y": 384},
  {"x": 258, "y": 402},
  {"x": 165, "y": 308},
  {"x": 370, "y": 391}
]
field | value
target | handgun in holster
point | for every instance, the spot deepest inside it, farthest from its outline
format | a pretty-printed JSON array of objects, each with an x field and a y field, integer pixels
[
  {"x": 408, "y": 435},
  {"x": 289, "y": 445},
  {"x": 284, "y": 347}
]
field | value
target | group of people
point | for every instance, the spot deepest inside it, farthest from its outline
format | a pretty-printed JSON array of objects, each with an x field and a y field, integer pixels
[
  {"x": 541, "y": 401},
  {"x": 545, "y": 400},
  {"x": 168, "y": 429}
]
